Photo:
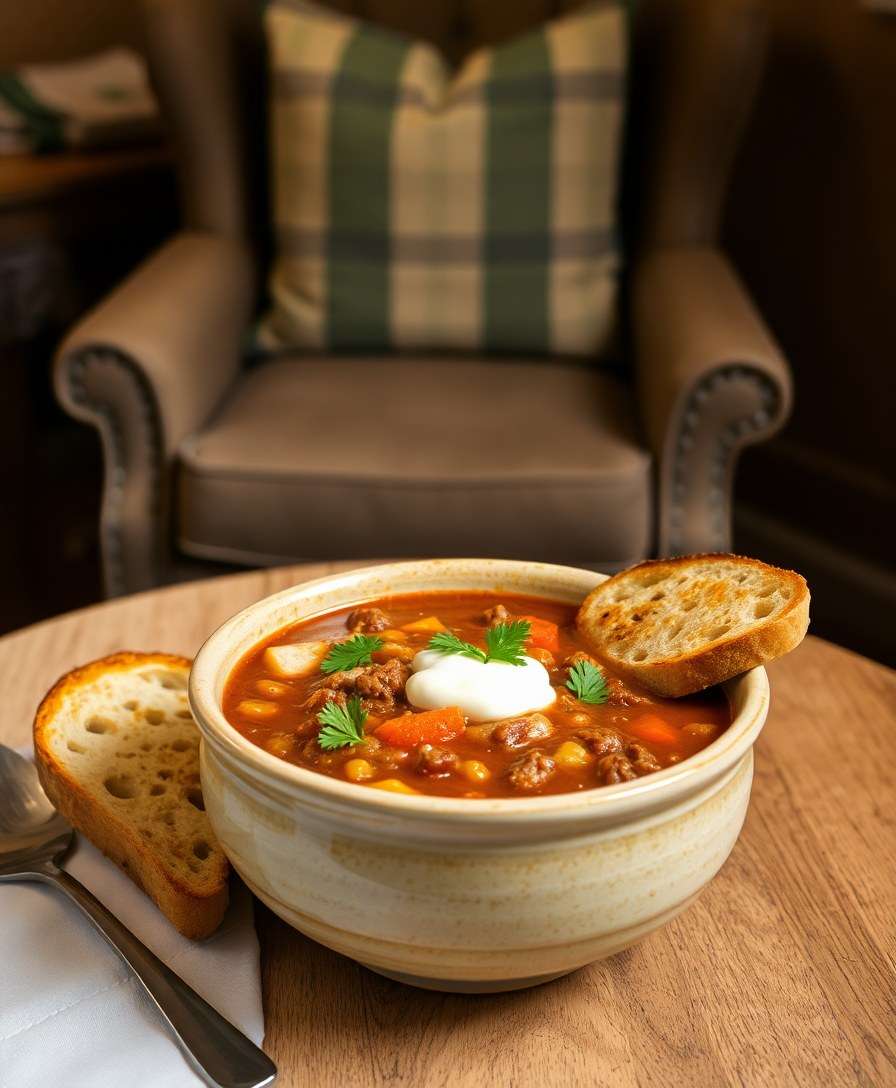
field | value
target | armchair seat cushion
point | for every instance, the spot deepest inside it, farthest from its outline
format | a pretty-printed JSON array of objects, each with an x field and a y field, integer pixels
[{"x": 337, "y": 458}]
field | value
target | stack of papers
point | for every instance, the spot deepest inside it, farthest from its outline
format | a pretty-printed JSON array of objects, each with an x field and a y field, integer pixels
[{"x": 98, "y": 101}]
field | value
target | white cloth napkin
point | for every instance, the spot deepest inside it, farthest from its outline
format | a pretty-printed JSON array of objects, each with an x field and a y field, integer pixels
[{"x": 70, "y": 1012}]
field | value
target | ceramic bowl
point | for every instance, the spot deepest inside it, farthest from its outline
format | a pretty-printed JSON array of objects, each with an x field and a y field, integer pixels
[{"x": 455, "y": 893}]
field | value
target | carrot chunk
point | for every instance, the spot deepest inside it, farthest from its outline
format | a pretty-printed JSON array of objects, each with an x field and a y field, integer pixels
[
  {"x": 427, "y": 727},
  {"x": 652, "y": 728},
  {"x": 543, "y": 634}
]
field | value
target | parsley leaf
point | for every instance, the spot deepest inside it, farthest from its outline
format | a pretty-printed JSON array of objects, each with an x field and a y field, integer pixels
[
  {"x": 342, "y": 724},
  {"x": 446, "y": 642},
  {"x": 505, "y": 643},
  {"x": 352, "y": 652},
  {"x": 588, "y": 683}
]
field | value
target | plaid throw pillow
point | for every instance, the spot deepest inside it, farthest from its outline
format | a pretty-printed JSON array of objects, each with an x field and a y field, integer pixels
[{"x": 419, "y": 210}]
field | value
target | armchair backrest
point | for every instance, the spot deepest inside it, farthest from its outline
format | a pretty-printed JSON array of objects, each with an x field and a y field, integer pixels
[{"x": 694, "y": 69}]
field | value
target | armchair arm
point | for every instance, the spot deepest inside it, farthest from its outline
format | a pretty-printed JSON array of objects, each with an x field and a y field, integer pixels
[
  {"x": 711, "y": 380},
  {"x": 145, "y": 368}
]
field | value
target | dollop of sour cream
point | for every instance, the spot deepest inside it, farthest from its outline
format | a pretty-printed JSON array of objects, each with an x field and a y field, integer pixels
[{"x": 484, "y": 691}]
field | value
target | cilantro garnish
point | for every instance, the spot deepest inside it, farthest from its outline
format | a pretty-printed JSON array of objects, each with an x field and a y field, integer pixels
[
  {"x": 352, "y": 652},
  {"x": 342, "y": 724},
  {"x": 504, "y": 642},
  {"x": 588, "y": 683}
]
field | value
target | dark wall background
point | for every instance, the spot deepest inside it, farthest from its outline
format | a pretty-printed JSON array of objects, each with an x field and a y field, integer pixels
[{"x": 811, "y": 223}]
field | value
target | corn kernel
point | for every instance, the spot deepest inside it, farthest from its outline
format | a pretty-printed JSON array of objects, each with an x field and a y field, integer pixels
[
  {"x": 475, "y": 770},
  {"x": 280, "y": 744},
  {"x": 272, "y": 688},
  {"x": 392, "y": 785},
  {"x": 259, "y": 709},
  {"x": 359, "y": 770},
  {"x": 571, "y": 755}
]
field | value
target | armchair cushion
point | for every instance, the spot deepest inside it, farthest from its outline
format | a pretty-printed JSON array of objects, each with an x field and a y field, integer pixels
[
  {"x": 397, "y": 457},
  {"x": 414, "y": 210}
]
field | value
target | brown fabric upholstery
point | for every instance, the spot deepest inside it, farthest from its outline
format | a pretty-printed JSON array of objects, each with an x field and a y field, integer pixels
[
  {"x": 710, "y": 379},
  {"x": 150, "y": 366},
  {"x": 392, "y": 457}
]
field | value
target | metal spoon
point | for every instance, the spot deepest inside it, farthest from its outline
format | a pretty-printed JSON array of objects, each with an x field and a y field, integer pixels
[{"x": 33, "y": 840}]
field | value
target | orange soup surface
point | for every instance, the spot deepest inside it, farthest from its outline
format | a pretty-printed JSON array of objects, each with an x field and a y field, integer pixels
[{"x": 598, "y": 731}]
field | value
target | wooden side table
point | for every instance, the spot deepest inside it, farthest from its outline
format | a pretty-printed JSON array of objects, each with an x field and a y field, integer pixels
[
  {"x": 71, "y": 226},
  {"x": 782, "y": 973}
]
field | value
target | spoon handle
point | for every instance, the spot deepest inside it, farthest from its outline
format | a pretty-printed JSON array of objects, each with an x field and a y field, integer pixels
[{"x": 219, "y": 1053}]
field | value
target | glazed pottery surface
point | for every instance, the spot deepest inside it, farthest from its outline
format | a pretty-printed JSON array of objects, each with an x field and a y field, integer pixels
[{"x": 456, "y": 893}]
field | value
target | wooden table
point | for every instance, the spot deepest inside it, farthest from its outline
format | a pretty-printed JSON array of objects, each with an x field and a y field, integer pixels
[{"x": 782, "y": 973}]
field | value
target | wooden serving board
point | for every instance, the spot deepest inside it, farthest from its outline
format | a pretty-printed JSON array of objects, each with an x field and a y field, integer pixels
[{"x": 781, "y": 973}]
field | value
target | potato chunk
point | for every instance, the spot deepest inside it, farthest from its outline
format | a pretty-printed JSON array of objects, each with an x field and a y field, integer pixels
[{"x": 295, "y": 659}]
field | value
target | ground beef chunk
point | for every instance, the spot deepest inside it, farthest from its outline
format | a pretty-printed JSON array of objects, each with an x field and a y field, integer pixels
[
  {"x": 347, "y": 679},
  {"x": 531, "y": 771},
  {"x": 367, "y": 620},
  {"x": 317, "y": 700},
  {"x": 565, "y": 701},
  {"x": 319, "y": 757},
  {"x": 517, "y": 732},
  {"x": 491, "y": 617},
  {"x": 602, "y": 742},
  {"x": 383, "y": 681},
  {"x": 643, "y": 761},
  {"x": 381, "y": 686},
  {"x": 625, "y": 765},
  {"x": 575, "y": 659},
  {"x": 622, "y": 695},
  {"x": 619, "y": 694},
  {"x": 615, "y": 768},
  {"x": 435, "y": 762}
]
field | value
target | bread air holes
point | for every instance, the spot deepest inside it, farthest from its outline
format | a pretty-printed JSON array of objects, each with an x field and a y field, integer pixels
[
  {"x": 131, "y": 704},
  {"x": 73, "y": 746},
  {"x": 100, "y": 725},
  {"x": 201, "y": 849},
  {"x": 763, "y": 609},
  {"x": 719, "y": 632},
  {"x": 194, "y": 796},
  {"x": 157, "y": 789},
  {"x": 181, "y": 745},
  {"x": 153, "y": 715},
  {"x": 171, "y": 681},
  {"x": 121, "y": 786}
]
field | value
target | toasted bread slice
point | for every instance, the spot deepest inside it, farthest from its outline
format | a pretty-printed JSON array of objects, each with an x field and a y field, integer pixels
[
  {"x": 677, "y": 626},
  {"x": 117, "y": 752}
]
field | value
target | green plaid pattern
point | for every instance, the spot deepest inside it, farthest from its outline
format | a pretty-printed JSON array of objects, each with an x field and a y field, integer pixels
[{"x": 419, "y": 210}]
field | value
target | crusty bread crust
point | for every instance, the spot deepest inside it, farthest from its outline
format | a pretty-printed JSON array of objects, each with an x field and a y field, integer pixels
[
  {"x": 195, "y": 907},
  {"x": 608, "y": 623}
]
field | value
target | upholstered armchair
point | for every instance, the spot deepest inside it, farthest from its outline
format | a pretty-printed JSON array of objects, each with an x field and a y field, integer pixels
[{"x": 210, "y": 460}]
